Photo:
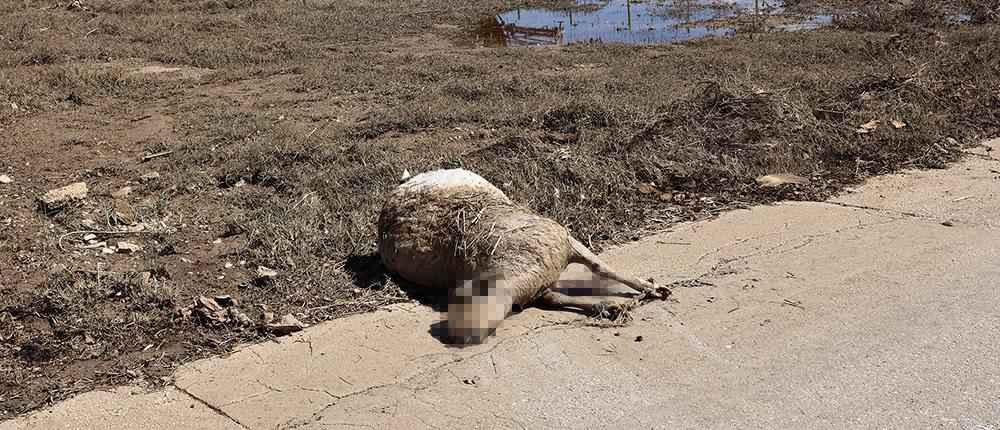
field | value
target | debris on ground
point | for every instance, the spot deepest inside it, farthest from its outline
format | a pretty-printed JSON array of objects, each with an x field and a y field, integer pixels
[
  {"x": 156, "y": 155},
  {"x": 779, "y": 179},
  {"x": 77, "y": 5},
  {"x": 288, "y": 324},
  {"x": 266, "y": 272},
  {"x": 150, "y": 176},
  {"x": 793, "y": 303},
  {"x": 60, "y": 197},
  {"x": 125, "y": 213},
  {"x": 645, "y": 188},
  {"x": 4, "y": 179},
  {"x": 216, "y": 310},
  {"x": 266, "y": 317},
  {"x": 123, "y": 192},
  {"x": 868, "y": 127},
  {"x": 128, "y": 248}
]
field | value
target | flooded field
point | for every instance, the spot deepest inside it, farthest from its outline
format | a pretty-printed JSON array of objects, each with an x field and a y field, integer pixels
[{"x": 637, "y": 22}]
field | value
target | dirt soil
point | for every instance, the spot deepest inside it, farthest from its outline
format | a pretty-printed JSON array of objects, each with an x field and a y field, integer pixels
[{"x": 240, "y": 149}]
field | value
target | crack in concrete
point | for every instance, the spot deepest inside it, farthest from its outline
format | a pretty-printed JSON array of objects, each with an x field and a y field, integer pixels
[
  {"x": 787, "y": 227},
  {"x": 733, "y": 244},
  {"x": 879, "y": 211},
  {"x": 498, "y": 344},
  {"x": 434, "y": 407},
  {"x": 213, "y": 408},
  {"x": 307, "y": 341},
  {"x": 808, "y": 240},
  {"x": 716, "y": 271},
  {"x": 497, "y": 416},
  {"x": 320, "y": 390}
]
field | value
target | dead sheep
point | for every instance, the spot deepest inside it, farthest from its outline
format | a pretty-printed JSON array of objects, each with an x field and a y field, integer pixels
[{"x": 452, "y": 230}]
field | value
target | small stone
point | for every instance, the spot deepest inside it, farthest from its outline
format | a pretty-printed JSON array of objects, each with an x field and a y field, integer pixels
[
  {"x": 122, "y": 192},
  {"x": 90, "y": 237},
  {"x": 267, "y": 317},
  {"x": 128, "y": 248},
  {"x": 4, "y": 179},
  {"x": 150, "y": 176},
  {"x": 228, "y": 265},
  {"x": 107, "y": 251},
  {"x": 62, "y": 196},
  {"x": 265, "y": 272},
  {"x": 135, "y": 228},
  {"x": 125, "y": 213},
  {"x": 93, "y": 244}
]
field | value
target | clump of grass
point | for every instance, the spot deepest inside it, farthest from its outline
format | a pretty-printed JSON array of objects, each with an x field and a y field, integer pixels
[
  {"x": 84, "y": 315},
  {"x": 984, "y": 11}
]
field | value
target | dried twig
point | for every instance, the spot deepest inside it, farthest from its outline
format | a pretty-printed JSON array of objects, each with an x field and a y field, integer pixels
[{"x": 156, "y": 155}]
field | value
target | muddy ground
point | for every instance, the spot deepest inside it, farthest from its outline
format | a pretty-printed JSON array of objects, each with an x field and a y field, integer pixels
[{"x": 278, "y": 126}]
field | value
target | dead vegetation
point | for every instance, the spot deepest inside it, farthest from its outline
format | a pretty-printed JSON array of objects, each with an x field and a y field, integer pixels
[{"x": 281, "y": 150}]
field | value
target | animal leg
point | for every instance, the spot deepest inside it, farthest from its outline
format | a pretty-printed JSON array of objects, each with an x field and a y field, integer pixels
[
  {"x": 591, "y": 305},
  {"x": 583, "y": 256}
]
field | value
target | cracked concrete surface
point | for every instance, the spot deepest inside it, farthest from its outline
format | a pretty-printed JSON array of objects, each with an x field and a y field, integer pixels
[{"x": 865, "y": 311}]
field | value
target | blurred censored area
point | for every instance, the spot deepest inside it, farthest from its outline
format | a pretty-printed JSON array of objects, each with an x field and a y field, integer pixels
[{"x": 476, "y": 307}]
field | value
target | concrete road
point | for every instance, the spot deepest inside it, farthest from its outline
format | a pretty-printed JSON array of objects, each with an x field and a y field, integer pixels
[{"x": 878, "y": 309}]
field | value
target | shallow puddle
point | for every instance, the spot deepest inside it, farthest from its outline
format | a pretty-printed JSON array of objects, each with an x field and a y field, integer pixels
[{"x": 636, "y": 22}]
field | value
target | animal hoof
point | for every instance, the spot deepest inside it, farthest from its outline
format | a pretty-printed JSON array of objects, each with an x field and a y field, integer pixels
[
  {"x": 657, "y": 291},
  {"x": 614, "y": 310}
]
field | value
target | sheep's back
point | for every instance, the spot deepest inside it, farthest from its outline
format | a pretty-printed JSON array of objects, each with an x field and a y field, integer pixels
[
  {"x": 444, "y": 226},
  {"x": 423, "y": 227}
]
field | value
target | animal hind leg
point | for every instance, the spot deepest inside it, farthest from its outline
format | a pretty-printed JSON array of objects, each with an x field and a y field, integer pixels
[
  {"x": 592, "y": 305},
  {"x": 583, "y": 256}
]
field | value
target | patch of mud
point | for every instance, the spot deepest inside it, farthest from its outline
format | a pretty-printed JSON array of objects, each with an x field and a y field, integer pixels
[{"x": 638, "y": 23}]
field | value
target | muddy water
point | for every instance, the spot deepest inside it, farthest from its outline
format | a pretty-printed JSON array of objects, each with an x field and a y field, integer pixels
[{"x": 633, "y": 22}]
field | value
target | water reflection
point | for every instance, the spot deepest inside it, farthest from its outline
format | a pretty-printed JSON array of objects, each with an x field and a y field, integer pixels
[{"x": 630, "y": 22}]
